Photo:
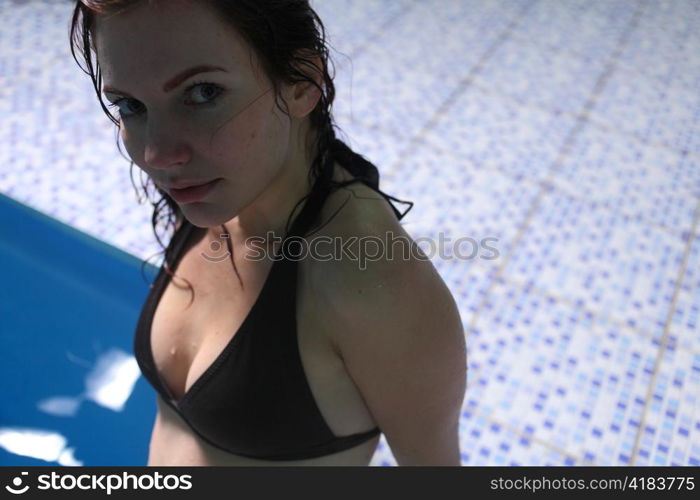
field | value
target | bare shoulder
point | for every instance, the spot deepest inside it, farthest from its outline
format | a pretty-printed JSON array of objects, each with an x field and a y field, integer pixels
[
  {"x": 375, "y": 267},
  {"x": 394, "y": 323},
  {"x": 358, "y": 220}
]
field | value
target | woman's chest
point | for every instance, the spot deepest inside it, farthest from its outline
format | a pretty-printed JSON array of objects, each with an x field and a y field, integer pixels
[
  {"x": 192, "y": 326},
  {"x": 189, "y": 335}
]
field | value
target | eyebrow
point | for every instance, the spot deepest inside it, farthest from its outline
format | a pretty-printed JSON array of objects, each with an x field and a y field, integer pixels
[{"x": 174, "y": 81}]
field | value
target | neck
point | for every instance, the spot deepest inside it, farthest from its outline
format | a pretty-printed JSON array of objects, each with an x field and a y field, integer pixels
[{"x": 268, "y": 214}]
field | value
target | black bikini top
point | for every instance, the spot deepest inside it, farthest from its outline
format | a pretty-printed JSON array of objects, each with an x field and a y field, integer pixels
[{"x": 254, "y": 400}]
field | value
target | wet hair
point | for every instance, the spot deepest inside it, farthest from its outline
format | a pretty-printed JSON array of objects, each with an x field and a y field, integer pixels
[{"x": 284, "y": 34}]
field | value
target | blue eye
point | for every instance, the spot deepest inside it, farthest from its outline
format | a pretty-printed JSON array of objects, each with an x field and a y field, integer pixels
[{"x": 209, "y": 92}]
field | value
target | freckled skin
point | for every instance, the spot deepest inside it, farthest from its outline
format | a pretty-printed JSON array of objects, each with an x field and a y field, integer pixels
[{"x": 261, "y": 155}]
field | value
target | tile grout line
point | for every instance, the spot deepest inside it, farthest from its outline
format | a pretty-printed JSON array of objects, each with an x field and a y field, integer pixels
[
  {"x": 357, "y": 50},
  {"x": 379, "y": 31},
  {"x": 667, "y": 324},
  {"x": 624, "y": 65},
  {"x": 436, "y": 117},
  {"x": 591, "y": 121},
  {"x": 527, "y": 105},
  {"x": 461, "y": 87},
  {"x": 581, "y": 120},
  {"x": 595, "y": 315},
  {"x": 595, "y": 318},
  {"x": 508, "y": 33},
  {"x": 418, "y": 139},
  {"x": 521, "y": 434},
  {"x": 493, "y": 167}
]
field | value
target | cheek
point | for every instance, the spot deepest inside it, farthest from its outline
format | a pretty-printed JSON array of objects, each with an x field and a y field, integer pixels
[
  {"x": 132, "y": 146},
  {"x": 257, "y": 143}
]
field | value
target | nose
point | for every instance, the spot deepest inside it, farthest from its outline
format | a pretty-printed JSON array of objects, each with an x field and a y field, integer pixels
[{"x": 165, "y": 148}]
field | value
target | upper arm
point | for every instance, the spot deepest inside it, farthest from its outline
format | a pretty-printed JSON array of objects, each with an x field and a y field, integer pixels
[{"x": 399, "y": 333}]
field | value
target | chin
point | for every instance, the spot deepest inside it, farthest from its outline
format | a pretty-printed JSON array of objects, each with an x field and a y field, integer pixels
[
  {"x": 202, "y": 220},
  {"x": 199, "y": 217}
]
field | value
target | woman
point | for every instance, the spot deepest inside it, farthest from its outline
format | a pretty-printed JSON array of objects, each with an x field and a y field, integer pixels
[{"x": 299, "y": 361}]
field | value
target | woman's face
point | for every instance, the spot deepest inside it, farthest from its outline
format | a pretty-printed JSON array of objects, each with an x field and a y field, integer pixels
[{"x": 221, "y": 123}]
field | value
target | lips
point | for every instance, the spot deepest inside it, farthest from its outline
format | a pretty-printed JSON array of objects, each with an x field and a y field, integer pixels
[
  {"x": 185, "y": 184},
  {"x": 192, "y": 193}
]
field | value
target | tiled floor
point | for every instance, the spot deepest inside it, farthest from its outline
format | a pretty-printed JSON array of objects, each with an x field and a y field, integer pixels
[{"x": 567, "y": 130}]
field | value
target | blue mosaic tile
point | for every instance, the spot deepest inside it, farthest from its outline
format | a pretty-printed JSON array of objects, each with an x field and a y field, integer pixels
[
  {"x": 486, "y": 444},
  {"x": 547, "y": 78},
  {"x": 379, "y": 146},
  {"x": 559, "y": 375},
  {"x": 494, "y": 132},
  {"x": 351, "y": 24},
  {"x": 685, "y": 322},
  {"x": 600, "y": 260},
  {"x": 673, "y": 16},
  {"x": 426, "y": 77},
  {"x": 588, "y": 29},
  {"x": 383, "y": 456},
  {"x": 665, "y": 44},
  {"x": 28, "y": 28},
  {"x": 661, "y": 113},
  {"x": 649, "y": 183},
  {"x": 673, "y": 413},
  {"x": 478, "y": 209},
  {"x": 690, "y": 166}
]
